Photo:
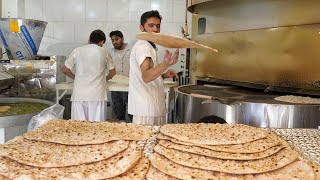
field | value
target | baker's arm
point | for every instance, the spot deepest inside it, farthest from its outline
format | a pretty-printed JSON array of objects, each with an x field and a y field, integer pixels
[
  {"x": 68, "y": 72},
  {"x": 111, "y": 73},
  {"x": 150, "y": 73}
]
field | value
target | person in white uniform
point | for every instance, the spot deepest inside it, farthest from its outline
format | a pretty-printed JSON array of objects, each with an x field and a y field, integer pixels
[
  {"x": 146, "y": 87},
  {"x": 120, "y": 55},
  {"x": 90, "y": 82}
]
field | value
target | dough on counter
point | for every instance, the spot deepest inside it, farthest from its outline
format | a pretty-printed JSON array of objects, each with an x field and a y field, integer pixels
[{"x": 120, "y": 79}]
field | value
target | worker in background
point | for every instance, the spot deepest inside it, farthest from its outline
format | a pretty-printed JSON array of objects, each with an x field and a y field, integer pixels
[
  {"x": 146, "y": 87},
  {"x": 120, "y": 55},
  {"x": 89, "y": 91}
]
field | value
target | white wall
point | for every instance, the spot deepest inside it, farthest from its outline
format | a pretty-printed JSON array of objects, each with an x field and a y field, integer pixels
[{"x": 70, "y": 22}]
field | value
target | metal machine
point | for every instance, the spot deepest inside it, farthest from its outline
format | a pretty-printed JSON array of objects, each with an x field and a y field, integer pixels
[
  {"x": 25, "y": 77},
  {"x": 266, "y": 49}
]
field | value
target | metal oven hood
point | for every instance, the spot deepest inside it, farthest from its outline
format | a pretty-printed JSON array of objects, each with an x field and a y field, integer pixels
[{"x": 265, "y": 44}]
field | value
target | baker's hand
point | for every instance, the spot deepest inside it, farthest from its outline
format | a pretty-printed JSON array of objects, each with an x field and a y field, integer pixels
[
  {"x": 171, "y": 58},
  {"x": 169, "y": 74}
]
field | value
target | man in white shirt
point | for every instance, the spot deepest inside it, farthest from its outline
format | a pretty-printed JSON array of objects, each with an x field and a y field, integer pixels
[
  {"x": 120, "y": 55},
  {"x": 146, "y": 88},
  {"x": 90, "y": 82}
]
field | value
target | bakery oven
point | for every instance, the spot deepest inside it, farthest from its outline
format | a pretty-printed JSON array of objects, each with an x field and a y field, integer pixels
[{"x": 266, "y": 73}]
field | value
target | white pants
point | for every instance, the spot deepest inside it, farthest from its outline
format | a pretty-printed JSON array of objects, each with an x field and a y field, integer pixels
[
  {"x": 88, "y": 110},
  {"x": 155, "y": 121}
]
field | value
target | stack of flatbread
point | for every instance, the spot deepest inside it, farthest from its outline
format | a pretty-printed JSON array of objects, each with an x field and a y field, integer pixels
[
  {"x": 69, "y": 149},
  {"x": 222, "y": 151}
]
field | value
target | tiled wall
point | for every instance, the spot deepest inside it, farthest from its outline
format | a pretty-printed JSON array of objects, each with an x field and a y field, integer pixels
[{"x": 70, "y": 22}]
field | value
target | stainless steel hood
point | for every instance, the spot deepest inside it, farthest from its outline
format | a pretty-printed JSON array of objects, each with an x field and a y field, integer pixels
[{"x": 262, "y": 44}]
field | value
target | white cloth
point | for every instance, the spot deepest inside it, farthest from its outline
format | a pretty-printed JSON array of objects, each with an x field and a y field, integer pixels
[
  {"x": 90, "y": 62},
  {"x": 121, "y": 60},
  {"x": 145, "y": 99},
  {"x": 88, "y": 110},
  {"x": 154, "y": 121}
]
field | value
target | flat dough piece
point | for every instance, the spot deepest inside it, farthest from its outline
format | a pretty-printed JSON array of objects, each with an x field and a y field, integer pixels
[
  {"x": 213, "y": 134},
  {"x": 298, "y": 99},
  {"x": 297, "y": 169},
  {"x": 250, "y": 147},
  {"x": 43, "y": 154},
  {"x": 75, "y": 132},
  {"x": 4, "y": 108},
  {"x": 155, "y": 174},
  {"x": 219, "y": 154},
  {"x": 139, "y": 171},
  {"x": 108, "y": 168},
  {"x": 120, "y": 79},
  {"x": 276, "y": 161},
  {"x": 171, "y": 41}
]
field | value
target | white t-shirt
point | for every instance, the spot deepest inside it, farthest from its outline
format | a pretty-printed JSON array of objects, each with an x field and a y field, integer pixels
[
  {"x": 145, "y": 99},
  {"x": 90, "y": 62},
  {"x": 121, "y": 60}
]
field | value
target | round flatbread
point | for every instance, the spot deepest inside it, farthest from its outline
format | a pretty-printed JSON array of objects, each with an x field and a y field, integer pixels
[
  {"x": 108, "y": 168},
  {"x": 171, "y": 41},
  {"x": 213, "y": 134},
  {"x": 276, "y": 161},
  {"x": 74, "y": 132},
  {"x": 256, "y": 146},
  {"x": 155, "y": 174},
  {"x": 219, "y": 154},
  {"x": 295, "y": 170},
  {"x": 298, "y": 99},
  {"x": 43, "y": 154},
  {"x": 139, "y": 171}
]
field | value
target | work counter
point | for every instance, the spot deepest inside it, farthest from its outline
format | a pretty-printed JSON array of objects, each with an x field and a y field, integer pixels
[{"x": 63, "y": 88}]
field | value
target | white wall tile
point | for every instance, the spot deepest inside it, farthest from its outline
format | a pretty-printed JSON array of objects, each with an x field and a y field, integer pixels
[
  {"x": 179, "y": 10},
  {"x": 33, "y": 9},
  {"x": 129, "y": 30},
  {"x": 70, "y": 22},
  {"x": 74, "y": 10},
  {"x": 53, "y": 10},
  {"x": 164, "y": 7},
  {"x": 172, "y": 28},
  {"x": 137, "y": 8},
  {"x": 96, "y": 10},
  {"x": 84, "y": 29},
  {"x": 118, "y": 10},
  {"x": 63, "y": 32},
  {"x": 64, "y": 10}
]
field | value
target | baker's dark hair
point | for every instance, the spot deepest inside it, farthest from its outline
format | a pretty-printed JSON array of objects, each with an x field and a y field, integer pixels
[
  {"x": 149, "y": 14},
  {"x": 96, "y": 36},
  {"x": 116, "y": 33}
]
